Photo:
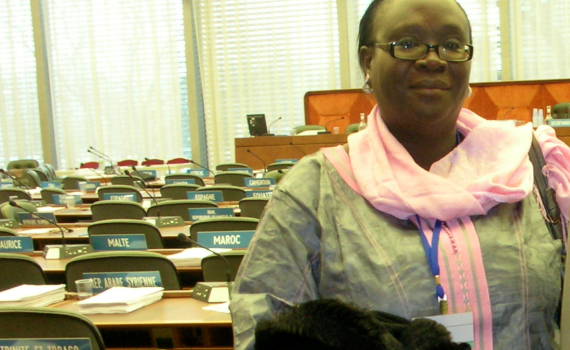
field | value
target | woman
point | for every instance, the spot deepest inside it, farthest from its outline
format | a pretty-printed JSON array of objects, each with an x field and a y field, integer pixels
[{"x": 427, "y": 186}]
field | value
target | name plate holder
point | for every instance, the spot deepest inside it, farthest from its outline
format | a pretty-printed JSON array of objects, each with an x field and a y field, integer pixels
[
  {"x": 258, "y": 193},
  {"x": 198, "y": 172},
  {"x": 31, "y": 220},
  {"x": 241, "y": 170},
  {"x": 225, "y": 239},
  {"x": 61, "y": 199},
  {"x": 12, "y": 244},
  {"x": 259, "y": 182},
  {"x": 180, "y": 182},
  {"x": 119, "y": 197},
  {"x": 46, "y": 343},
  {"x": 206, "y": 213},
  {"x": 129, "y": 279},
  {"x": 51, "y": 184},
  {"x": 118, "y": 242}
]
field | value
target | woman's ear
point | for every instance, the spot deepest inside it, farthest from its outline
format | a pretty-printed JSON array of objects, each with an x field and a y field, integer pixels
[{"x": 365, "y": 54}]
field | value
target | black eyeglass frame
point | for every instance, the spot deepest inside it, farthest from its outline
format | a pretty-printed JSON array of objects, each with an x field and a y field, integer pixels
[{"x": 390, "y": 48}]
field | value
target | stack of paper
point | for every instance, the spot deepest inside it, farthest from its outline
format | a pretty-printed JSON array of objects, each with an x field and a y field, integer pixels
[
  {"x": 32, "y": 295},
  {"x": 192, "y": 256},
  {"x": 120, "y": 300}
]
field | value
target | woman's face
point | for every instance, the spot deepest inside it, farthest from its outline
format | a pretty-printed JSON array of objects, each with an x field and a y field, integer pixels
[{"x": 426, "y": 92}]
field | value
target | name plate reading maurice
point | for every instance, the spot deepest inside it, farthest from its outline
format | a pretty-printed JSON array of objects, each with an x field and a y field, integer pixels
[
  {"x": 225, "y": 239},
  {"x": 293, "y": 160},
  {"x": 61, "y": 199},
  {"x": 51, "y": 184},
  {"x": 259, "y": 182},
  {"x": 119, "y": 242},
  {"x": 180, "y": 181},
  {"x": 132, "y": 279},
  {"x": 205, "y": 213},
  {"x": 258, "y": 193},
  {"x": 119, "y": 197},
  {"x": 198, "y": 172},
  {"x": 29, "y": 219},
  {"x": 46, "y": 344},
  {"x": 214, "y": 196},
  {"x": 243, "y": 170},
  {"x": 11, "y": 244}
]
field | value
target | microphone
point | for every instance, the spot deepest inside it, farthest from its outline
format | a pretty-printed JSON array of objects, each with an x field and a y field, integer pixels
[
  {"x": 299, "y": 149},
  {"x": 327, "y": 124},
  {"x": 99, "y": 175},
  {"x": 100, "y": 154},
  {"x": 203, "y": 167},
  {"x": 16, "y": 180},
  {"x": 270, "y": 125},
  {"x": 54, "y": 251},
  {"x": 185, "y": 239},
  {"x": 258, "y": 157},
  {"x": 143, "y": 185}
]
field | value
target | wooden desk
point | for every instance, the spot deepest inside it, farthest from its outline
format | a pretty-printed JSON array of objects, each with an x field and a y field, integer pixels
[
  {"x": 270, "y": 148},
  {"x": 173, "y": 322}
]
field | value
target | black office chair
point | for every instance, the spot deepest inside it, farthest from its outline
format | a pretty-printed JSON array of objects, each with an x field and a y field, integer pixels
[
  {"x": 122, "y": 261},
  {"x": 228, "y": 166},
  {"x": 126, "y": 180},
  {"x": 119, "y": 189},
  {"x": 107, "y": 210},
  {"x": 6, "y": 232},
  {"x": 46, "y": 323},
  {"x": 222, "y": 224},
  {"x": 48, "y": 192},
  {"x": 125, "y": 226},
  {"x": 71, "y": 182},
  {"x": 10, "y": 212},
  {"x": 232, "y": 178},
  {"x": 177, "y": 191},
  {"x": 280, "y": 165},
  {"x": 178, "y": 207},
  {"x": 252, "y": 207},
  {"x": 214, "y": 268},
  {"x": 197, "y": 180},
  {"x": 6, "y": 193},
  {"x": 230, "y": 193},
  {"x": 19, "y": 269}
]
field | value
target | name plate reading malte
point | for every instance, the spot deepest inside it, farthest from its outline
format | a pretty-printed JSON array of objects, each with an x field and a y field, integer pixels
[
  {"x": 119, "y": 197},
  {"x": 29, "y": 219},
  {"x": 131, "y": 279},
  {"x": 180, "y": 182},
  {"x": 198, "y": 172},
  {"x": 214, "y": 196},
  {"x": 46, "y": 344},
  {"x": 259, "y": 182},
  {"x": 225, "y": 239},
  {"x": 205, "y": 213},
  {"x": 258, "y": 194},
  {"x": 119, "y": 242},
  {"x": 16, "y": 244}
]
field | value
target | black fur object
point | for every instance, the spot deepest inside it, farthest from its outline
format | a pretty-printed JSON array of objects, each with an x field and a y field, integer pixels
[{"x": 333, "y": 325}]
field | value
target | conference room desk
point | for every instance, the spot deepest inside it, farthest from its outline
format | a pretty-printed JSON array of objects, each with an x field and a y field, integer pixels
[{"x": 173, "y": 322}]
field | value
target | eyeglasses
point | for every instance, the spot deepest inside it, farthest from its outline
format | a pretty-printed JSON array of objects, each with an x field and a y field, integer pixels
[{"x": 449, "y": 51}]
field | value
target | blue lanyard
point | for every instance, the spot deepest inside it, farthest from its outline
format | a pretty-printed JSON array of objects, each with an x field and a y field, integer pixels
[{"x": 432, "y": 257}]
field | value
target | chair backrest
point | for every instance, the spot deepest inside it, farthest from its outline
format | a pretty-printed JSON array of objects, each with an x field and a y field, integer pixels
[
  {"x": 276, "y": 174},
  {"x": 6, "y": 193},
  {"x": 230, "y": 193},
  {"x": 233, "y": 178},
  {"x": 6, "y": 232},
  {"x": 228, "y": 166},
  {"x": 280, "y": 165},
  {"x": 351, "y": 128},
  {"x": 214, "y": 268},
  {"x": 177, "y": 191},
  {"x": 51, "y": 170},
  {"x": 48, "y": 192},
  {"x": 101, "y": 191},
  {"x": 154, "y": 161},
  {"x": 125, "y": 226},
  {"x": 89, "y": 165},
  {"x": 128, "y": 162},
  {"x": 252, "y": 207},
  {"x": 43, "y": 173},
  {"x": 35, "y": 322},
  {"x": 178, "y": 161},
  {"x": 19, "y": 269},
  {"x": 223, "y": 224},
  {"x": 23, "y": 164},
  {"x": 197, "y": 180},
  {"x": 178, "y": 207},
  {"x": 561, "y": 111},
  {"x": 71, "y": 182},
  {"x": 107, "y": 210},
  {"x": 10, "y": 212},
  {"x": 125, "y": 180},
  {"x": 33, "y": 178},
  {"x": 123, "y": 261}
]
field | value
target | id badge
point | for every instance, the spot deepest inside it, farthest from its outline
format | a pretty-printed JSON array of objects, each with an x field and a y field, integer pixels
[{"x": 459, "y": 325}]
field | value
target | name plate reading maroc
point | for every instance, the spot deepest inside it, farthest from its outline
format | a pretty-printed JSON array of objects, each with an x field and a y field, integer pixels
[
  {"x": 180, "y": 182},
  {"x": 258, "y": 193},
  {"x": 225, "y": 239},
  {"x": 46, "y": 344},
  {"x": 259, "y": 182},
  {"x": 16, "y": 244},
  {"x": 51, "y": 184},
  {"x": 132, "y": 279},
  {"x": 214, "y": 196},
  {"x": 119, "y": 242},
  {"x": 92, "y": 186},
  {"x": 61, "y": 199},
  {"x": 198, "y": 172},
  {"x": 29, "y": 219},
  {"x": 293, "y": 160},
  {"x": 206, "y": 213},
  {"x": 243, "y": 170},
  {"x": 119, "y": 197}
]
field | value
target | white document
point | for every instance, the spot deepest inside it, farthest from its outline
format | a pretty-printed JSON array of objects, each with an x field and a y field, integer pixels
[
  {"x": 223, "y": 307},
  {"x": 32, "y": 295},
  {"x": 192, "y": 256},
  {"x": 120, "y": 300},
  {"x": 36, "y": 231}
]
